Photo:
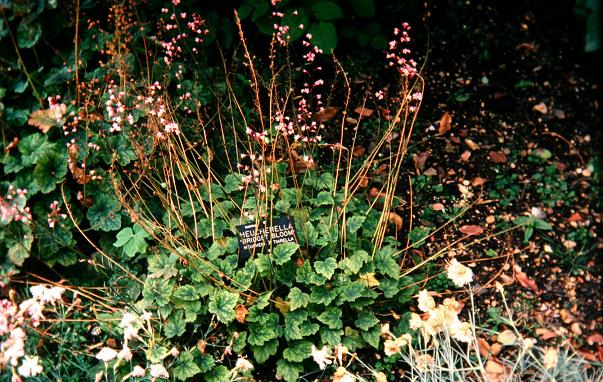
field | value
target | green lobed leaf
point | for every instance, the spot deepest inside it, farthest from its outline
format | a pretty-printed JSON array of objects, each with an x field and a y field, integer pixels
[
  {"x": 186, "y": 367},
  {"x": 331, "y": 317},
  {"x": 175, "y": 325},
  {"x": 366, "y": 320},
  {"x": 186, "y": 293},
  {"x": 105, "y": 213},
  {"x": 326, "y": 267},
  {"x": 283, "y": 252},
  {"x": 288, "y": 371},
  {"x": 324, "y": 36},
  {"x": 261, "y": 353},
  {"x": 222, "y": 304},
  {"x": 28, "y": 34},
  {"x": 132, "y": 240},
  {"x": 50, "y": 170},
  {"x": 327, "y": 10},
  {"x": 297, "y": 351},
  {"x": 298, "y": 299}
]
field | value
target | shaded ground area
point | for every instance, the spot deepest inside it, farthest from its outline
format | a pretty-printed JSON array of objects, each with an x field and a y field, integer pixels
[{"x": 523, "y": 101}]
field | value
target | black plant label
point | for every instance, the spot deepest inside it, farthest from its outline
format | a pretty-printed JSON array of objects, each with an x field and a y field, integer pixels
[{"x": 254, "y": 237}]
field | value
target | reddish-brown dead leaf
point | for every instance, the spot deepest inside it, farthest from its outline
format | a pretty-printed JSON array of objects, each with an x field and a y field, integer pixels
[
  {"x": 326, "y": 114},
  {"x": 420, "y": 159},
  {"x": 576, "y": 217},
  {"x": 240, "y": 313},
  {"x": 545, "y": 334},
  {"x": 358, "y": 151},
  {"x": 445, "y": 123},
  {"x": 498, "y": 157},
  {"x": 381, "y": 169},
  {"x": 471, "y": 230},
  {"x": 595, "y": 338},
  {"x": 46, "y": 118},
  {"x": 12, "y": 145},
  {"x": 494, "y": 367},
  {"x": 396, "y": 219},
  {"x": 592, "y": 357},
  {"x": 526, "y": 282},
  {"x": 600, "y": 353},
  {"x": 437, "y": 206},
  {"x": 364, "y": 181},
  {"x": 363, "y": 111},
  {"x": 477, "y": 181},
  {"x": 201, "y": 344},
  {"x": 483, "y": 347},
  {"x": 466, "y": 155},
  {"x": 540, "y": 108}
]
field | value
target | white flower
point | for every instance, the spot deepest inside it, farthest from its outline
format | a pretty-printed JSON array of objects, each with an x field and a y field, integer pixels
[
  {"x": 158, "y": 371},
  {"x": 30, "y": 366},
  {"x": 45, "y": 294},
  {"x": 391, "y": 347},
  {"x": 342, "y": 375},
  {"x": 459, "y": 274},
  {"x": 125, "y": 353},
  {"x": 426, "y": 302},
  {"x": 415, "y": 322},
  {"x": 106, "y": 354},
  {"x": 138, "y": 371},
  {"x": 550, "y": 358},
  {"x": 461, "y": 331},
  {"x": 243, "y": 364},
  {"x": 321, "y": 357}
]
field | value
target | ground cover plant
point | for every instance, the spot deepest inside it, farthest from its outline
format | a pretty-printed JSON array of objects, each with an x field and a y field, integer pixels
[{"x": 148, "y": 146}]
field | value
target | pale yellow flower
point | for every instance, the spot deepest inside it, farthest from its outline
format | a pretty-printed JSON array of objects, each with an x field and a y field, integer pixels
[
  {"x": 423, "y": 362},
  {"x": 243, "y": 365},
  {"x": 30, "y": 366},
  {"x": 415, "y": 322},
  {"x": 459, "y": 274},
  {"x": 380, "y": 377},
  {"x": 506, "y": 337},
  {"x": 426, "y": 302},
  {"x": 106, "y": 354},
  {"x": 391, "y": 347},
  {"x": 321, "y": 357},
  {"x": 342, "y": 375},
  {"x": 451, "y": 304},
  {"x": 157, "y": 370},
  {"x": 550, "y": 358},
  {"x": 461, "y": 331}
]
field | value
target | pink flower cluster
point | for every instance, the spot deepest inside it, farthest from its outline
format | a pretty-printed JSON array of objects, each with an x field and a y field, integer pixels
[
  {"x": 156, "y": 107},
  {"x": 12, "y": 206},
  {"x": 116, "y": 109},
  {"x": 196, "y": 26},
  {"x": 398, "y": 52},
  {"x": 55, "y": 214},
  {"x": 13, "y": 317}
]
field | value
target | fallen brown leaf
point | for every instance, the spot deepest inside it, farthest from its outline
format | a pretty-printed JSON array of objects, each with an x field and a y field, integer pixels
[
  {"x": 471, "y": 230},
  {"x": 445, "y": 123},
  {"x": 483, "y": 347},
  {"x": 494, "y": 367},
  {"x": 396, "y": 219},
  {"x": 472, "y": 145},
  {"x": 498, "y": 157},
  {"x": 540, "y": 108},
  {"x": 526, "y": 282},
  {"x": 477, "y": 181},
  {"x": 595, "y": 338},
  {"x": 240, "y": 313},
  {"x": 46, "y": 118},
  {"x": 364, "y": 112},
  {"x": 545, "y": 334},
  {"x": 358, "y": 151},
  {"x": 12, "y": 145},
  {"x": 420, "y": 159},
  {"x": 326, "y": 114},
  {"x": 576, "y": 217},
  {"x": 466, "y": 155},
  {"x": 437, "y": 206}
]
